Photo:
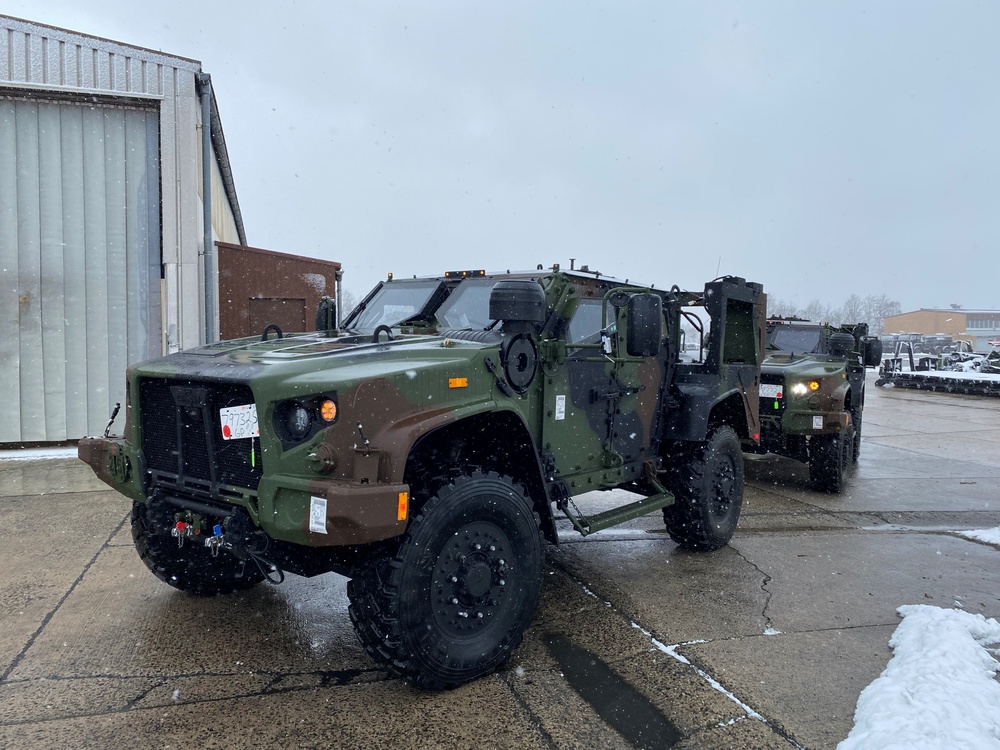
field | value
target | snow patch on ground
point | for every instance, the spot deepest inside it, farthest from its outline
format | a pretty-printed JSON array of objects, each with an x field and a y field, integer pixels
[
  {"x": 37, "y": 454},
  {"x": 990, "y": 536},
  {"x": 939, "y": 690}
]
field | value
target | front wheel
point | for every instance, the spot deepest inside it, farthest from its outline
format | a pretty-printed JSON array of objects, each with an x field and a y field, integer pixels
[
  {"x": 830, "y": 456},
  {"x": 707, "y": 482},
  {"x": 451, "y": 601},
  {"x": 190, "y": 568}
]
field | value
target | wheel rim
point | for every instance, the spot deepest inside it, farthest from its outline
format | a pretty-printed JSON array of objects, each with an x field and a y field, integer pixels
[
  {"x": 471, "y": 578},
  {"x": 723, "y": 489}
]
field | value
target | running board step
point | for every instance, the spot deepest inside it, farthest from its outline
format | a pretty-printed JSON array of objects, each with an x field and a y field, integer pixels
[{"x": 589, "y": 524}]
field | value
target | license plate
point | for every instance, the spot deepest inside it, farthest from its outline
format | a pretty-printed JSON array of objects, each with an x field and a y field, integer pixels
[
  {"x": 770, "y": 391},
  {"x": 239, "y": 422}
]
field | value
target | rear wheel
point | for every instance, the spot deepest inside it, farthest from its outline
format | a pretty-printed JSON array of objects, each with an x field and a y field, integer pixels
[
  {"x": 707, "y": 482},
  {"x": 856, "y": 424},
  {"x": 190, "y": 568},
  {"x": 856, "y": 412},
  {"x": 830, "y": 456},
  {"x": 451, "y": 600}
]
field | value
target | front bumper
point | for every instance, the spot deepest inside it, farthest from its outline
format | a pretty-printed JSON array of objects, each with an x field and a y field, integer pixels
[{"x": 314, "y": 513}]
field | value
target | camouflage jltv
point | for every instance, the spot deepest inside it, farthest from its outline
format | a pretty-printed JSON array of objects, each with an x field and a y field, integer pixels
[
  {"x": 812, "y": 394},
  {"x": 426, "y": 446}
]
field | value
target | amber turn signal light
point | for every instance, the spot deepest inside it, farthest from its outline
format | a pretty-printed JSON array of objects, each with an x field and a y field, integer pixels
[{"x": 328, "y": 410}]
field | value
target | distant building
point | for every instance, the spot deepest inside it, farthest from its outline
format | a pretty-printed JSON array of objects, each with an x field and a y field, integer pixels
[{"x": 976, "y": 326}]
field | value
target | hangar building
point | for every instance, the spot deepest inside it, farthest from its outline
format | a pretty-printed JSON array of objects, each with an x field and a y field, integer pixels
[{"x": 109, "y": 217}]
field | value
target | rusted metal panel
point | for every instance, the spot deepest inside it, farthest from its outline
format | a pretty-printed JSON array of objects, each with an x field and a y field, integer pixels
[{"x": 256, "y": 285}]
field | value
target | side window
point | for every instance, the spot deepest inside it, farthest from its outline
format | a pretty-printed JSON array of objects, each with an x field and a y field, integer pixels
[{"x": 586, "y": 323}]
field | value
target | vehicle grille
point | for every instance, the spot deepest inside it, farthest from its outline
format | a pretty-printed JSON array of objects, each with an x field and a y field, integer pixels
[
  {"x": 767, "y": 404},
  {"x": 182, "y": 436}
]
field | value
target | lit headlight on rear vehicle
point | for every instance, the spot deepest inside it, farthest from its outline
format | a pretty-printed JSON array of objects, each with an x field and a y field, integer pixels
[{"x": 802, "y": 389}]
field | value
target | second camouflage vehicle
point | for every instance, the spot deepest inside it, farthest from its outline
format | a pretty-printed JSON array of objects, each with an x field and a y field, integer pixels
[
  {"x": 812, "y": 395},
  {"x": 426, "y": 446}
]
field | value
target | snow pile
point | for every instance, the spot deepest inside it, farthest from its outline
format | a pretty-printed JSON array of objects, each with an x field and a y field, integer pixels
[
  {"x": 938, "y": 690},
  {"x": 990, "y": 536}
]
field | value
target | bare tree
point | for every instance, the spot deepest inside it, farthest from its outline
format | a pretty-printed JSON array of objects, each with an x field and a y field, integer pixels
[
  {"x": 877, "y": 309},
  {"x": 853, "y": 310},
  {"x": 349, "y": 300},
  {"x": 779, "y": 308},
  {"x": 817, "y": 312}
]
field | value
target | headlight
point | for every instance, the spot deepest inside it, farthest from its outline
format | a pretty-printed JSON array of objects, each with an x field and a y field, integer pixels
[
  {"x": 801, "y": 389},
  {"x": 298, "y": 421}
]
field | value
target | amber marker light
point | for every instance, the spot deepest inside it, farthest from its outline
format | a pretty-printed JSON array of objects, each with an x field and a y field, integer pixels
[
  {"x": 402, "y": 506},
  {"x": 458, "y": 382},
  {"x": 813, "y": 385},
  {"x": 328, "y": 410}
]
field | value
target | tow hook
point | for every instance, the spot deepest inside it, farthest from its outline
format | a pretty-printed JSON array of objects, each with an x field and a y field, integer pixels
[
  {"x": 186, "y": 525},
  {"x": 237, "y": 536},
  {"x": 217, "y": 541}
]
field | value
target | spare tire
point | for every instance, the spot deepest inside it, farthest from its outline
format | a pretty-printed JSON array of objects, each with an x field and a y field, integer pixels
[
  {"x": 521, "y": 300},
  {"x": 841, "y": 344}
]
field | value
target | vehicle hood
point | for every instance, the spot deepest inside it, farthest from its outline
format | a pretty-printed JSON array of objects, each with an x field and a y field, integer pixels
[
  {"x": 801, "y": 365},
  {"x": 311, "y": 360}
]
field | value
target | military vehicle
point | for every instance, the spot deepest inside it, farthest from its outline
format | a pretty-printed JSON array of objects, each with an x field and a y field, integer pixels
[
  {"x": 812, "y": 395},
  {"x": 427, "y": 445}
]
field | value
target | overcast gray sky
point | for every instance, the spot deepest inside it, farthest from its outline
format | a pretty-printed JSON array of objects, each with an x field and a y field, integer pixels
[{"x": 824, "y": 149}]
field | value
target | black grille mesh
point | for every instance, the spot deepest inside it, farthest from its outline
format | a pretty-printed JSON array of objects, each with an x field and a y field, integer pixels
[
  {"x": 767, "y": 404},
  {"x": 182, "y": 435}
]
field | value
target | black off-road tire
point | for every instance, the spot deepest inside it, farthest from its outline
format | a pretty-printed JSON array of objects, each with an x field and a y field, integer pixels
[
  {"x": 190, "y": 568},
  {"x": 707, "y": 482},
  {"x": 450, "y": 601},
  {"x": 856, "y": 425},
  {"x": 830, "y": 456}
]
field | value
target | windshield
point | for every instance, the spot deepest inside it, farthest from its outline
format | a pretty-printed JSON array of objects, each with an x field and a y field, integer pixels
[
  {"x": 468, "y": 306},
  {"x": 794, "y": 339},
  {"x": 392, "y": 304}
]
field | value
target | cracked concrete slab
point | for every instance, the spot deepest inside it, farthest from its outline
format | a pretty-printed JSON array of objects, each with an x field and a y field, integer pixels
[
  {"x": 120, "y": 617},
  {"x": 806, "y": 683}
]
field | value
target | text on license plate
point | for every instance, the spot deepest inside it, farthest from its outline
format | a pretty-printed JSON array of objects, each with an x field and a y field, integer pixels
[
  {"x": 239, "y": 422},
  {"x": 768, "y": 390}
]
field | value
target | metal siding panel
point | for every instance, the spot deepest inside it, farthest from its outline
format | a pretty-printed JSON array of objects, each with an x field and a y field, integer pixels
[
  {"x": 18, "y": 56},
  {"x": 95, "y": 229},
  {"x": 189, "y": 209},
  {"x": 29, "y": 274},
  {"x": 53, "y": 281},
  {"x": 136, "y": 235},
  {"x": 10, "y": 354},
  {"x": 154, "y": 338},
  {"x": 36, "y": 58},
  {"x": 168, "y": 164},
  {"x": 5, "y": 35},
  {"x": 116, "y": 200},
  {"x": 75, "y": 269},
  {"x": 73, "y": 64}
]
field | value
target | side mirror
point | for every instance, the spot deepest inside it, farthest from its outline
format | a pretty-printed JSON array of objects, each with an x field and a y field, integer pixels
[
  {"x": 871, "y": 354},
  {"x": 645, "y": 325},
  {"x": 326, "y": 315}
]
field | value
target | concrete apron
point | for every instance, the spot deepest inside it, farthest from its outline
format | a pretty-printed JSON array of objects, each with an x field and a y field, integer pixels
[{"x": 782, "y": 629}]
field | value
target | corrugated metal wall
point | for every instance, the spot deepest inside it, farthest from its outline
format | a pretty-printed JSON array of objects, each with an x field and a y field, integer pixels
[
  {"x": 79, "y": 253},
  {"x": 70, "y": 104}
]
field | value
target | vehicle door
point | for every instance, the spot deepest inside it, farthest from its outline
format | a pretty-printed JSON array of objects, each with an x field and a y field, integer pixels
[{"x": 602, "y": 404}]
